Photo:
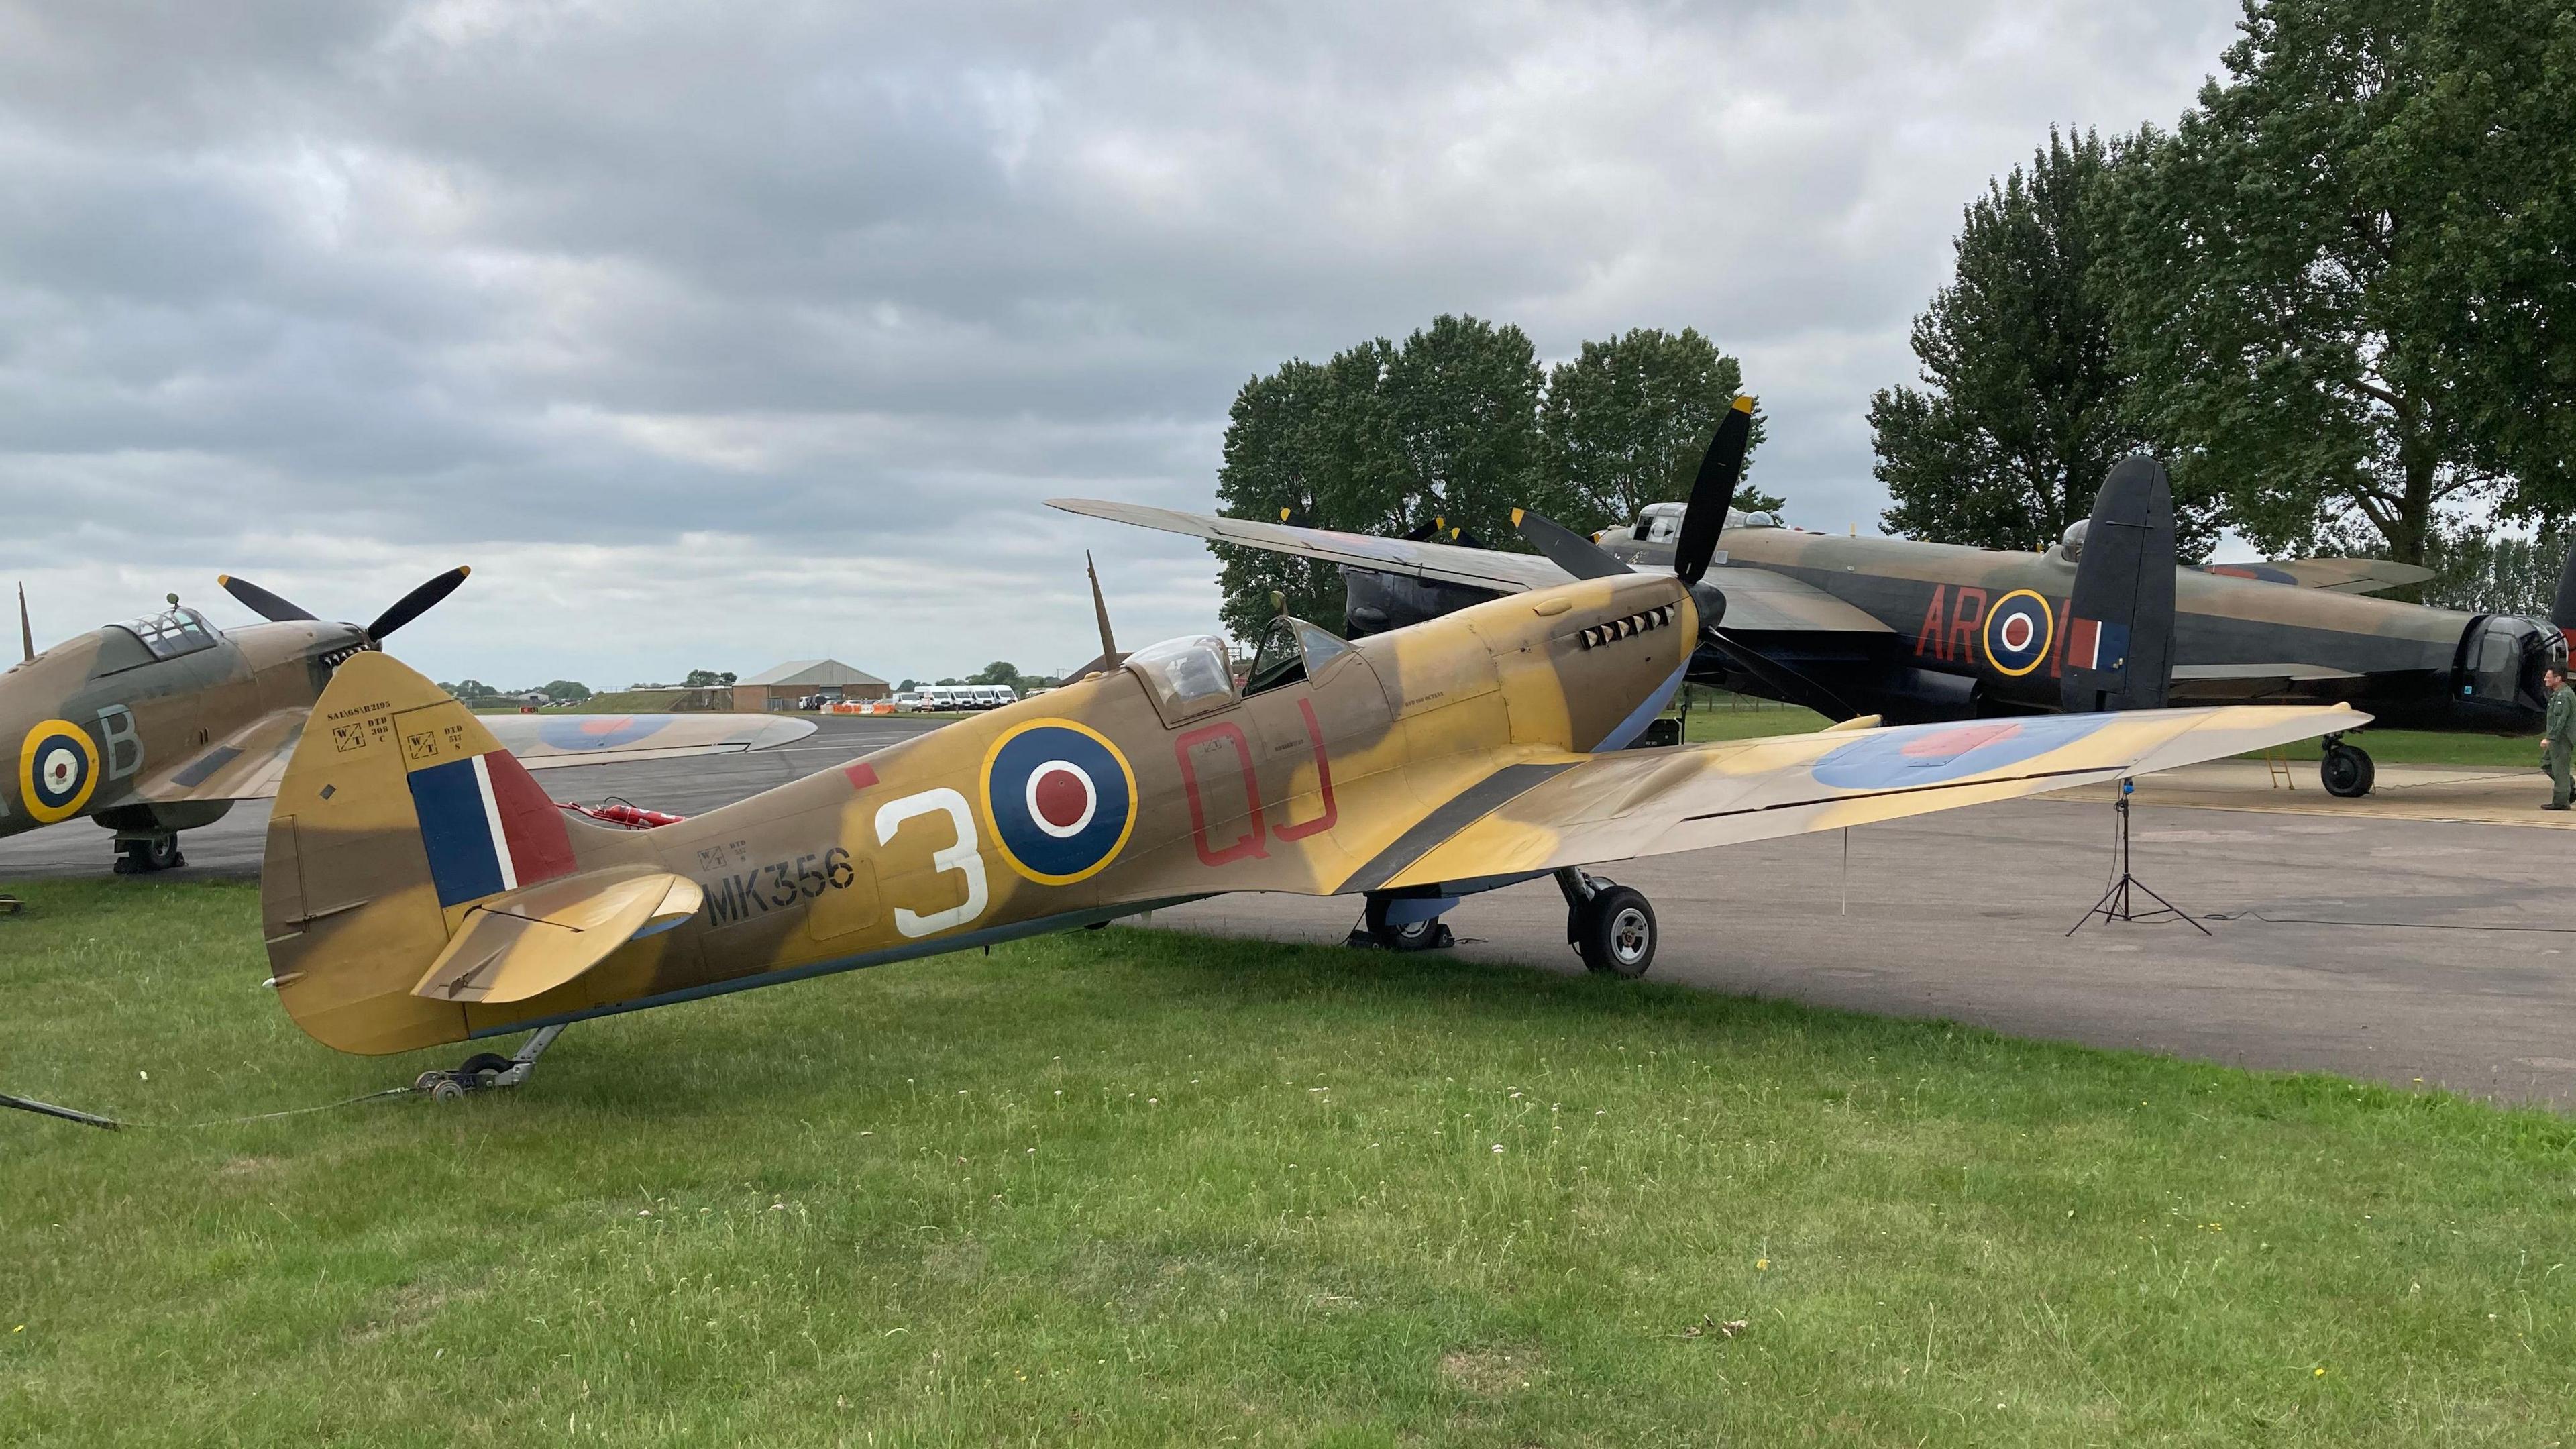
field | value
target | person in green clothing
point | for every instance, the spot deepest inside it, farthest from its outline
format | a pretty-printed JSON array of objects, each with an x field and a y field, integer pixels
[{"x": 2559, "y": 735}]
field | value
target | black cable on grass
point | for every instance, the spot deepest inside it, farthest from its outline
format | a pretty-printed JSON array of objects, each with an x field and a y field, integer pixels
[
  {"x": 2251, "y": 914},
  {"x": 92, "y": 1119}
]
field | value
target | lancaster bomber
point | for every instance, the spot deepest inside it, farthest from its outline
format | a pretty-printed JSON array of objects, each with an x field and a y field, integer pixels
[
  {"x": 160, "y": 725},
  {"x": 1925, "y": 631},
  {"x": 417, "y": 888}
]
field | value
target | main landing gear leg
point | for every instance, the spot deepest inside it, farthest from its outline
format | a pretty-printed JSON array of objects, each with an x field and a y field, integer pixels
[
  {"x": 485, "y": 1071},
  {"x": 2347, "y": 770},
  {"x": 1609, "y": 925},
  {"x": 144, "y": 854}
]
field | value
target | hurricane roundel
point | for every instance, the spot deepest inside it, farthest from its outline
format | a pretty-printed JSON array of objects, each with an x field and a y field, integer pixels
[
  {"x": 1936, "y": 754},
  {"x": 1062, "y": 800},
  {"x": 2019, "y": 630},
  {"x": 57, "y": 770}
]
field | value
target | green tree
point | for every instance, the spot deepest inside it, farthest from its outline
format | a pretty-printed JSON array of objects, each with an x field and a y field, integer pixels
[
  {"x": 2342, "y": 283},
  {"x": 707, "y": 679},
  {"x": 471, "y": 689},
  {"x": 1627, "y": 421},
  {"x": 2479, "y": 571},
  {"x": 566, "y": 691},
  {"x": 1462, "y": 406},
  {"x": 2020, "y": 417},
  {"x": 1000, "y": 671},
  {"x": 1287, "y": 450}
]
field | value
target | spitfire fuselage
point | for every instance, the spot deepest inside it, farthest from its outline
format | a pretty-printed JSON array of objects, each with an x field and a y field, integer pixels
[{"x": 1157, "y": 781}]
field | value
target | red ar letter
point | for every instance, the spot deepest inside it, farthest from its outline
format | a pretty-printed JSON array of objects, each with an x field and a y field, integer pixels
[
  {"x": 1249, "y": 844},
  {"x": 1323, "y": 781},
  {"x": 1930, "y": 640},
  {"x": 1965, "y": 623}
]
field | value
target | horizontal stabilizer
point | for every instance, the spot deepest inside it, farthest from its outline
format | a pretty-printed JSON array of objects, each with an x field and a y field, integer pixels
[{"x": 525, "y": 943}]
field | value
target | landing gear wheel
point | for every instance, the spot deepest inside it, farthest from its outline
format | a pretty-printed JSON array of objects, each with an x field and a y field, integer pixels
[
  {"x": 1615, "y": 931},
  {"x": 1420, "y": 935},
  {"x": 2347, "y": 771},
  {"x": 141, "y": 855},
  {"x": 482, "y": 1062}
]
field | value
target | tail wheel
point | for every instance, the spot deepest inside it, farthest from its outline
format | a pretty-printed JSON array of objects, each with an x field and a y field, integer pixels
[
  {"x": 2348, "y": 773},
  {"x": 1419, "y": 935},
  {"x": 1615, "y": 932}
]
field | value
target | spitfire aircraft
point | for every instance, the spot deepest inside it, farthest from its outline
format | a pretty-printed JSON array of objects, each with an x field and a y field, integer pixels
[
  {"x": 1926, "y": 631},
  {"x": 418, "y": 889},
  {"x": 160, "y": 725}
]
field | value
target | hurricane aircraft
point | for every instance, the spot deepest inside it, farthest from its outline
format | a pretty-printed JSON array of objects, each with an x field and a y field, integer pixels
[
  {"x": 1849, "y": 626},
  {"x": 417, "y": 889},
  {"x": 162, "y": 724}
]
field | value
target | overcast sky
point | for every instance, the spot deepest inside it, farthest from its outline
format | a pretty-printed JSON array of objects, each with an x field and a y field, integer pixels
[{"x": 717, "y": 334}]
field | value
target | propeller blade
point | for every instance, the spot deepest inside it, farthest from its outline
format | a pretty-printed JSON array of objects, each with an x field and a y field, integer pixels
[
  {"x": 26, "y": 630},
  {"x": 1566, "y": 548},
  {"x": 416, "y": 603},
  {"x": 260, "y": 601},
  {"x": 2562, "y": 608},
  {"x": 1720, "y": 469},
  {"x": 1421, "y": 532}
]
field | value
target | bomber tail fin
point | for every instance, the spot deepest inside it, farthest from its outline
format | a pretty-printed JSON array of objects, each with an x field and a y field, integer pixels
[
  {"x": 402, "y": 832},
  {"x": 2120, "y": 620}
]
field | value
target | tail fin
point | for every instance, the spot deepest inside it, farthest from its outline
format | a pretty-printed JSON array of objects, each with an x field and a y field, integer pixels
[
  {"x": 2120, "y": 621},
  {"x": 398, "y": 819}
]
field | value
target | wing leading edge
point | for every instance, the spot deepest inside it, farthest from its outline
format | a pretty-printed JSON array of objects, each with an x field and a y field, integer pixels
[
  {"x": 1595, "y": 809},
  {"x": 1756, "y": 599}
]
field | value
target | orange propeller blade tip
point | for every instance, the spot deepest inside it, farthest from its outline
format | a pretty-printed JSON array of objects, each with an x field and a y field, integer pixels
[
  {"x": 1744, "y": 402},
  {"x": 1516, "y": 517}
]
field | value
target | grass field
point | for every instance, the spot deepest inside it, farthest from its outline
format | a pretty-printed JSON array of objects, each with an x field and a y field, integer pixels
[{"x": 1132, "y": 1188}]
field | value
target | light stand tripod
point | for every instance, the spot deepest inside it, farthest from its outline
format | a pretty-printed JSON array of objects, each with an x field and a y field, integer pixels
[{"x": 2119, "y": 902}]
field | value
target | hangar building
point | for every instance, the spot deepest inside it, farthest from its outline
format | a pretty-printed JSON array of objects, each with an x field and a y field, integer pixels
[{"x": 781, "y": 686}]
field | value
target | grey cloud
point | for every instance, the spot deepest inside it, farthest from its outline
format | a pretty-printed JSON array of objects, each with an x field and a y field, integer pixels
[{"x": 799, "y": 310}]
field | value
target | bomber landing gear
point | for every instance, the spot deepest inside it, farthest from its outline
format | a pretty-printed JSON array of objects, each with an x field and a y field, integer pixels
[
  {"x": 484, "y": 1071},
  {"x": 2347, "y": 771},
  {"x": 1609, "y": 925},
  {"x": 144, "y": 854}
]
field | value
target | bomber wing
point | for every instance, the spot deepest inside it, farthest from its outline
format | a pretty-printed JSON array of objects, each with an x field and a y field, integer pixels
[
  {"x": 1593, "y": 809},
  {"x": 1756, "y": 598},
  {"x": 248, "y": 763},
  {"x": 2335, "y": 575}
]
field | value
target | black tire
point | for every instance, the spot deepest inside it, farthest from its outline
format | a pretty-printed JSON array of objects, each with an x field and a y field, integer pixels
[
  {"x": 1417, "y": 936},
  {"x": 485, "y": 1062},
  {"x": 1615, "y": 932},
  {"x": 2347, "y": 772}
]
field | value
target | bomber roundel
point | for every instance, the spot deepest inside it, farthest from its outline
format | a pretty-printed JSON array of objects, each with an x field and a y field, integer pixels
[
  {"x": 57, "y": 770},
  {"x": 1062, "y": 800},
  {"x": 2019, "y": 630}
]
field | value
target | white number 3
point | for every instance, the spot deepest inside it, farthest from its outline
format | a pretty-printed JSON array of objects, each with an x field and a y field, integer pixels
[{"x": 960, "y": 857}]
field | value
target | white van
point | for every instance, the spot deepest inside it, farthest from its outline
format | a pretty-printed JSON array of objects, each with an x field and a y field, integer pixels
[{"x": 994, "y": 696}]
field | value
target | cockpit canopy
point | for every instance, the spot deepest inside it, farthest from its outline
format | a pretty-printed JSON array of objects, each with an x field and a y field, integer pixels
[
  {"x": 1662, "y": 522},
  {"x": 1185, "y": 677},
  {"x": 1291, "y": 650},
  {"x": 166, "y": 635}
]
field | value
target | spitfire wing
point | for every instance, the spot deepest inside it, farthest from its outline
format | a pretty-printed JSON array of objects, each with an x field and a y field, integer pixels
[
  {"x": 1482, "y": 568},
  {"x": 248, "y": 763},
  {"x": 1756, "y": 599},
  {"x": 1593, "y": 809},
  {"x": 552, "y": 741}
]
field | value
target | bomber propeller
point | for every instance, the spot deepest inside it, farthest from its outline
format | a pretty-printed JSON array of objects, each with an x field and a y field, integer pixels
[{"x": 405, "y": 609}]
